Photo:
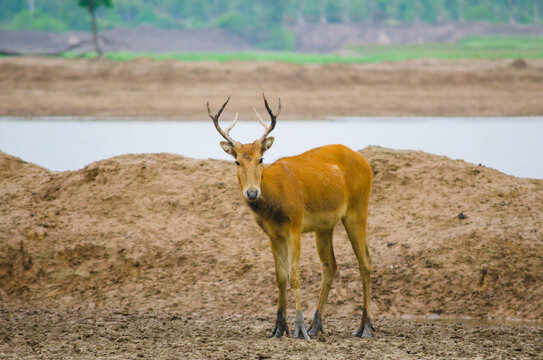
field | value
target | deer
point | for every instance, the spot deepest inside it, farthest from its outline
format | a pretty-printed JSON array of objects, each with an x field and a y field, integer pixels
[{"x": 310, "y": 192}]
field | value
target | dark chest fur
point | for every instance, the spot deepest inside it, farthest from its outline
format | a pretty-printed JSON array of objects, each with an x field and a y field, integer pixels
[{"x": 268, "y": 210}]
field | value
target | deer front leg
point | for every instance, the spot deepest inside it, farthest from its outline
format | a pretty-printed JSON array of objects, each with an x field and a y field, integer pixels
[
  {"x": 280, "y": 256},
  {"x": 300, "y": 330}
]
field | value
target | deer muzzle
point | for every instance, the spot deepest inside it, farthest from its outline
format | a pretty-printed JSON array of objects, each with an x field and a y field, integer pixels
[{"x": 252, "y": 194}]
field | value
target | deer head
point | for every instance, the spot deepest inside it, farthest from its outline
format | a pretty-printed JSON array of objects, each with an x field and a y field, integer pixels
[{"x": 248, "y": 157}]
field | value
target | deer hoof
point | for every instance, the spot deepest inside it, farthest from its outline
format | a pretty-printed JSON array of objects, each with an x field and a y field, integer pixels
[
  {"x": 300, "y": 330},
  {"x": 365, "y": 326},
  {"x": 281, "y": 326},
  {"x": 316, "y": 325}
]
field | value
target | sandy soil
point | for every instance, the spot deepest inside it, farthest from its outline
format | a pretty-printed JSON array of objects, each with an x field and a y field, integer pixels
[
  {"x": 156, "y": 255},
  {"x": 37, "y": 86}
]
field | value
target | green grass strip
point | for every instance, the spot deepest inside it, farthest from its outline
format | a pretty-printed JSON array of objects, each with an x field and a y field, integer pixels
[{"x": 494, "y": 47}]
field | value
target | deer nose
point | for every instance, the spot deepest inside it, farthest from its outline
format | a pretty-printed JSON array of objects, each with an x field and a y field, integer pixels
[{"x": 252, "y": 194}]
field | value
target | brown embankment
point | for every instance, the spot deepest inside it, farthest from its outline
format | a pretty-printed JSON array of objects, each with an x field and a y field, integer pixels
[
  {"x": 37, "y": 86},
  {"x": 172, "y": 233}
]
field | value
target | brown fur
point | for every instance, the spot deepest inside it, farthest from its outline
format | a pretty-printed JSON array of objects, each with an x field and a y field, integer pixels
[{"x": 310, "y": 192}]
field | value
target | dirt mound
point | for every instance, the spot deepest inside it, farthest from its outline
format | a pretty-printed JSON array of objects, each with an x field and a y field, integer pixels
[
  {"x": 519, "y": 64},
  {"x": 177, "y": 89},
  {"x": 160, "y": 231}
]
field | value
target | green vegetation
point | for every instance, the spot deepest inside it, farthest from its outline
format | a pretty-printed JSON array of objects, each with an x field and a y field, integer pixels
[
  {"x": 492, "y": 47},
  {"x": 470, "y": 48},
  {"x": 263, "y": 23},
  {"x": 92, "y": 6},
  {"x": 518, "y": 43},
  {"x": 36, "y": 20},
  {"x": 284, "y": 56}
]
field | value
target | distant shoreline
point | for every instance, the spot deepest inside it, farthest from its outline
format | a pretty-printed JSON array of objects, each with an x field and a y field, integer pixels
[
  {"x": 180, "y": 90},
  {"x": 312, "y": 38}
]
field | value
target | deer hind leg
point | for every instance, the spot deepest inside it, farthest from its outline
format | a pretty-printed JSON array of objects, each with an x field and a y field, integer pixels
[
  {"x": 355, "y": 225},
  {"x": 300, "y": 329},
  {"x": 280, "y": 256},
  {"x": 329, "y": 267}
]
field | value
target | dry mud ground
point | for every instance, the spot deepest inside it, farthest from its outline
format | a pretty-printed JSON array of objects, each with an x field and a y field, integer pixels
[
  {"x": 83, "y": 334},
  {"x": 40, "y": 86},
  {"x": 156, "y": 256}
]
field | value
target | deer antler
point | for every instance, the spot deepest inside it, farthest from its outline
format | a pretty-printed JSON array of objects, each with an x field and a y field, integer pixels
[
  {"x": 215, "y": 118},
  {"x": 272, "y": 116}
]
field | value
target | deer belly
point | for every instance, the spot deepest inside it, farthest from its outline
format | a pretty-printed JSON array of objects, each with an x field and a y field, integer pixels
[{"x": 324, "y": 220}]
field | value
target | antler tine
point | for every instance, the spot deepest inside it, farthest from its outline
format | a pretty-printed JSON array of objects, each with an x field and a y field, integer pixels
[
  {"x": 232, "y": 125},
  {"x": 216, "y": 116},
  {"x": 273, "y": 117},
  {"x": 268, "y": 107},
  {"x": 215, "y": 119},
  {"x": 260, "y": 119}
]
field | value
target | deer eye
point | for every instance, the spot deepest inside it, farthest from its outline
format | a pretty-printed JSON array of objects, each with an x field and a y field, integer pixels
[
  {"x": 261, "y": 160},
  {"x": 237, "y": 163}
]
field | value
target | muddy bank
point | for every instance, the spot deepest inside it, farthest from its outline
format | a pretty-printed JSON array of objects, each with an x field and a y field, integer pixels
[{"x": 38, "y": 86}]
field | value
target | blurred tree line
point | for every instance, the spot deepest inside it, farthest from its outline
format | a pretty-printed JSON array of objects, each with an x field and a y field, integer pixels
[{"x": 262, "y": 22}]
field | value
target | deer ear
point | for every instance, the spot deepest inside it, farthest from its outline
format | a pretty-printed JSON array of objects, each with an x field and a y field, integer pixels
[
  {"x": 268, "y": 142},
  {"x": 228, "y": 148}
]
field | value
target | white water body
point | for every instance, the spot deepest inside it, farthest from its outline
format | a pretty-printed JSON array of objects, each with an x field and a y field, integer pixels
[{"x": 513, "y": 145}]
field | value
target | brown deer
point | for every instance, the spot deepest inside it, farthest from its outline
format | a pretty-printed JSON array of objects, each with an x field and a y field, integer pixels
[{"x": 309, "y": 192}]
